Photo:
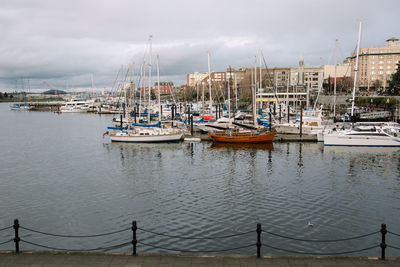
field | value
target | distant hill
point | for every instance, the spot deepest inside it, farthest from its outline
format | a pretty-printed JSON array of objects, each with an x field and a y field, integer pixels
[{"x": 54, "y": 92}]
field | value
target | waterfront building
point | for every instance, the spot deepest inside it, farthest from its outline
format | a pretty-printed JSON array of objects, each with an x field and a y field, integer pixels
[
  {"x": 165, "y": 88},
  {"x": 293, "y": 83},
  {"x": 376, "y": 65},
  {"x": 193, "y": 79},
  {"x": 343, "y": 70},
  {"x": 343, "y": 78},
  {"x": 218, "y": 78}
]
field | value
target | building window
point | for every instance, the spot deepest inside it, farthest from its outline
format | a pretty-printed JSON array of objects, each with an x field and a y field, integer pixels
[
  {"x": 372, "y": 72},
  {"x": 389, "y": 67},
  {"x": 388, "y": 72}
]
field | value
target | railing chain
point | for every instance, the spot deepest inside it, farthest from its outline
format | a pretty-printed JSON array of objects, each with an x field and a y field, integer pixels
[
  {"x": 198, "y": 238},
  {"x": 83, "y": 250},
  {"x": 75, "y": 236},
  {"x": 326, "y": 240},
  {"x": 195, "y": 251}
]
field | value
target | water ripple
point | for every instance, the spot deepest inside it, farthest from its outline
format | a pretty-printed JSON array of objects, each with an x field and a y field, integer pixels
[{"x": 69, "y": 180}]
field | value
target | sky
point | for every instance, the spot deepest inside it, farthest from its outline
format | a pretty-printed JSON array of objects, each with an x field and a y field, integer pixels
[{"x": 66, "y": 42}]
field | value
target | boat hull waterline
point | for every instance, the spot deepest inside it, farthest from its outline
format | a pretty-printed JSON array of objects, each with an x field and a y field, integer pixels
[{"x": 339, "y": 140}]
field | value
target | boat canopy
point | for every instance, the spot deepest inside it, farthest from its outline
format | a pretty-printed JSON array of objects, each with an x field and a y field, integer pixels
[
  {"x": 147, "y": 125},
  {"x": 117, "y": 128}
]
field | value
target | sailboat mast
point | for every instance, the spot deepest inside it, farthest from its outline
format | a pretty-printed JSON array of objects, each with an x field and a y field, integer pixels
[
  {"x": 229, "y": 95},
  {"x": 259, "y": 87},
  {"x": 149, "y": 95},
  {"x": 158, "y": 85},
  {"x": 356, "y": 70},
  {"x": 142, "y": 88},
  {"x": 254, "y": 94},
  {"x": 132, "y": 90},
  {"x": 202, "y": 100},
  {"x": 124, "y": 104},
  {"x": 209, "y": 80},
  {"x": 334, "y": 81},
  {"x": 236, "y": 96}
]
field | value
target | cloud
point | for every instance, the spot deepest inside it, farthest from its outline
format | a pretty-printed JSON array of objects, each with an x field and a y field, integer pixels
[{"x": 66, "y": 41}]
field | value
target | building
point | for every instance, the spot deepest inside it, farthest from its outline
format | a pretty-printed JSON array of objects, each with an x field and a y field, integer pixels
[
  {"x": 307, "y": 76},
  {"x": 343, "y": 70},
  {"x": 165, "y": 88},
  {"x": 193, "y": 79},
  {"x": 295, "y": 82},
  {"x": 376, "y": 65}
]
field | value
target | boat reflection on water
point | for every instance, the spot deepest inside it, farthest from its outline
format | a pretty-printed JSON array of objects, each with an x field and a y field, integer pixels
[
  {"x": 242, "y": 146},
  {"x": 360, "y": 150}
]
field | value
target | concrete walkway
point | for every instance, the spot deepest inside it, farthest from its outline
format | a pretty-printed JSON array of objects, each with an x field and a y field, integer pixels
[{"x": 110, "y": 259}]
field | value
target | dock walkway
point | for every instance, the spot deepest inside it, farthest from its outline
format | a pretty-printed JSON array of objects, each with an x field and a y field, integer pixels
[{"x": 119, "y": 259}]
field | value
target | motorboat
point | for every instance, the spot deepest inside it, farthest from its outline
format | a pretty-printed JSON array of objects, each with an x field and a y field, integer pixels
[
  {"x": 74, "y": 106},
  {"x": 361, "y": 135}
]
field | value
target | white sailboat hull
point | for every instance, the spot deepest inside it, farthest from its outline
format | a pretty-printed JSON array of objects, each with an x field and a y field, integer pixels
[{"x": 147, "y": 138}]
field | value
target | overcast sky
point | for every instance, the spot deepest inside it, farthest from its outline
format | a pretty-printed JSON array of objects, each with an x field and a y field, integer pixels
[{"x": 64, "y": 42}]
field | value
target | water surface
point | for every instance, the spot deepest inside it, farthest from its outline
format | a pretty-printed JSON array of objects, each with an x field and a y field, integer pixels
[{"x": 58, "y": 175}]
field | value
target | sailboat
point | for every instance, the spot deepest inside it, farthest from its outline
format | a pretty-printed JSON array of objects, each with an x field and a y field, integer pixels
[
  {"x": 149, "y": 133},
  {"x": 363, "y": 135},
  {"x": 251, "y": 134}
]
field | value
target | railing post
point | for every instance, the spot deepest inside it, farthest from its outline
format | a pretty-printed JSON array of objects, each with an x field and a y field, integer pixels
[
  {"x": 383, "y": 241},
  {"x": 258, "y": 240},
  {"x": 134, "y": 241},
  {"x": 16, "y": 238}
]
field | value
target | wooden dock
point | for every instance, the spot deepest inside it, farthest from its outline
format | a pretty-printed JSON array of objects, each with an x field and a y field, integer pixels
[{"x": 295, "y": 138}]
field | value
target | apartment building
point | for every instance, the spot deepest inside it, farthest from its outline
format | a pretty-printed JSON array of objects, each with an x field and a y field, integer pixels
[
  {"x": 193, "y": 79},
  {"x": 376, "y": 65}
]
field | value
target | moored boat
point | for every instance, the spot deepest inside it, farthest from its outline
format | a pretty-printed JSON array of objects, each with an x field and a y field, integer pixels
[
  {"x": 147, "y": 135},
  {"x": 369, "y": 136},
  {"x": 74, "y": 106},
  {"x": 246, "y": 136}
]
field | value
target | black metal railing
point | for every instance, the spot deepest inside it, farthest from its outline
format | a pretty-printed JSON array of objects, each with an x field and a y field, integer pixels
[{"x": 258, "y": 244}]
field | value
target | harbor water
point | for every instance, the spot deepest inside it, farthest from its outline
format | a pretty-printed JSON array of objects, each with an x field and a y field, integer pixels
[{"x": 58, "y": 175}]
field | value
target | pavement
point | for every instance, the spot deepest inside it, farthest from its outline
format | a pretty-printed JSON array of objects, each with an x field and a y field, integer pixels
[{"x": 159, "y": 260}]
